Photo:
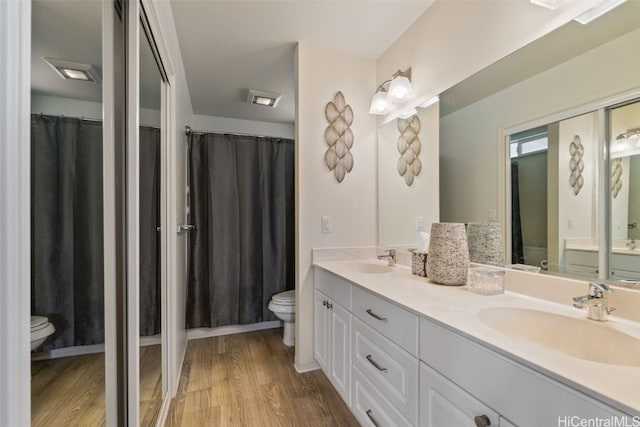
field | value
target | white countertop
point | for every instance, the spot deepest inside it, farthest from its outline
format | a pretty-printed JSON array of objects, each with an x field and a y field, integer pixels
[{"x": 457, "y": 309}]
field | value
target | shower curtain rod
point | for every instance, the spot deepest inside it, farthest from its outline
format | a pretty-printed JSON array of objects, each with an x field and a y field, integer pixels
[
  {"x": 89, "y": 119},
  {"x": 188, "y": 131}
]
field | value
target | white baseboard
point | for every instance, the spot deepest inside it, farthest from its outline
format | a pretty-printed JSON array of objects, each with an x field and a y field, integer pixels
[
  {"x": 197, "y": 333},
  {"x": 79, "y": 350},
  {"x": 82, "y": 350},
  {"x": 301, "y": 368}
]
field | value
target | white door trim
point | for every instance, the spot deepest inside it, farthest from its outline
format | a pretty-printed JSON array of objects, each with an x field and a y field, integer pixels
[{"x": 15, "y": 218}]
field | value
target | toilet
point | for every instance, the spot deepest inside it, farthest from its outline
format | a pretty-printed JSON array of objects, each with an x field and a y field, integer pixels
[
  {"x": 283, "y": 305},
  {"x": 41, "y": 329}
]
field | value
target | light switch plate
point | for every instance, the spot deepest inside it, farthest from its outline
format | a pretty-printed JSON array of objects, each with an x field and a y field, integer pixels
[
  {"x": 326, "y": 224},
  {"x": 419, "y": 223},
  {"x": 493, "y": 215}
]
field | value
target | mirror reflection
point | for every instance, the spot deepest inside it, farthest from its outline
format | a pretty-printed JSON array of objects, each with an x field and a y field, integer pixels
[
  {"x": 552, "y": 169},
  {"x": 67, "y": 285},
  {"x": 151, "y": 392},
  {"x": 624, "y": 149},
  {"x": 407, "y": 178}
]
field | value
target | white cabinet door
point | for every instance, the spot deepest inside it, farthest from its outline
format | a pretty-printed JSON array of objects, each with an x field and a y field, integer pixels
[
  {"x": 321, "y": 345},
  {"x": 332, "y": 343},
  {"x": 444, "y": 404},
  {"x": 340, "y": 350}
]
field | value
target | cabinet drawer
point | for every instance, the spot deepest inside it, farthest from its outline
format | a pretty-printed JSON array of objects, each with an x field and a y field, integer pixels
[
  {"x": 444, "y": 404},
  {"x": 395, "y": 323},
  {"x": 370, "y": 407},
  {"x": 392, "y": 370},
  {"x": 333, "y": 286},
  {"x": 525, "y": 397}
]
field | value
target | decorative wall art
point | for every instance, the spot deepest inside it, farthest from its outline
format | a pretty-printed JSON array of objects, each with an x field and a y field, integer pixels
[
  {"x": 339, "y": 137},
  {"x": 616, "y": 177},
  {"x": 576, "y": 164},
  {"x": 409, "y": 146}
]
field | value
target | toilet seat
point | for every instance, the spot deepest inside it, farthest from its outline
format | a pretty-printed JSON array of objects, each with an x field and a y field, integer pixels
[
  {"x": 38, "y": 322},
  {"x": 284, "y": 298}
]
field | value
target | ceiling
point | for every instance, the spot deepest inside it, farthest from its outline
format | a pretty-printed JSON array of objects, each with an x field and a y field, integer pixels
[
  {"x": 559, "y": 46},
  {"x": 229, "y": 47}
]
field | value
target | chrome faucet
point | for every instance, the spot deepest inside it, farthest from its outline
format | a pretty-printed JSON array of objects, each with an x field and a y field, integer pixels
[
  {"x": 390, "y": 255},
  {"x": 596, "y": 302},
  {"x": 632, "y": 244}
]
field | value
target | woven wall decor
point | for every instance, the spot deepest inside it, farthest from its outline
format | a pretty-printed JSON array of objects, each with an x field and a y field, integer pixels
[
  {"x": 339, "y": 137},
  {"x": 576, "y": 164},
  {"x": 409, "y": 146},
  {"x": 616, "y": 177}
]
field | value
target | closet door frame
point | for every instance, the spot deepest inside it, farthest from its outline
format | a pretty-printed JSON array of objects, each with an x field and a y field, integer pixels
[
  {"x": 136, "y": 9},
  {"x": 15, "y": 219}
]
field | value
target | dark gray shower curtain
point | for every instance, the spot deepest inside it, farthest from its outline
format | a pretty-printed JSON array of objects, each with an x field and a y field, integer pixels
[
  {"x": 67, "y": 264},
  {"x": 150, "y": 295},
  {"x": 67, "y": 278},
  {"x": 517, "y": 250},
  {"x": 242, "y": 205}
]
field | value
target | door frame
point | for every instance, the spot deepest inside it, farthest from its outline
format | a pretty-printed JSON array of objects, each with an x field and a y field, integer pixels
[{"x": 15, "y": 218}]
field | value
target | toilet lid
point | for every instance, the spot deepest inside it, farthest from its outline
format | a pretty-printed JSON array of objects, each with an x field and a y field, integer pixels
[
  {"x": 285, "y": 298},
  {"x": 38, "y": 322}
]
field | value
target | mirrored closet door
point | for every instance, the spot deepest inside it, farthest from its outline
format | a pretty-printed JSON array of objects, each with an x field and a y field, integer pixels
[{"x": 67, "y": 230}]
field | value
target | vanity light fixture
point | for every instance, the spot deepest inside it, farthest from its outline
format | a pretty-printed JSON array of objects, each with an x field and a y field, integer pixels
[
  {"x": 599, "y": 10},
  {"x": 74, "y": 70},
  {"x": 398, "y": 89},
  {"x": 549, "y": 4},
  {"x": 626, "y": 144},
  {"x": 263, "y": 98}
]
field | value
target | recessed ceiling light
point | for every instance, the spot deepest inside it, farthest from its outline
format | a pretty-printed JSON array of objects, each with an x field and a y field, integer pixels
[
  {"x": 263, "y": 98},
  {"x": 74, "y": 70}
]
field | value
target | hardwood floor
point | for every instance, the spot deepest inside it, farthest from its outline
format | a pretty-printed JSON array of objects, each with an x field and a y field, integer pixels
[
  {"x": 69, "y": 391},
  {"x": 249, "y": 380}
]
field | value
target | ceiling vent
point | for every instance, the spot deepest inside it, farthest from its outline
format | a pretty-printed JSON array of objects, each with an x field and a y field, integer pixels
[
  {"x": 74, "y": 71},
  {"x": 265, "y": 99}
]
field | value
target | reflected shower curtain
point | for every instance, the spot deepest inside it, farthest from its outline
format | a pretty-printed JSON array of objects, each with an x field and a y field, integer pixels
[
  {"x": 242, "y": 249},
  {"x": 67, "y": 264},
  {"x": 517, "y": 250}
]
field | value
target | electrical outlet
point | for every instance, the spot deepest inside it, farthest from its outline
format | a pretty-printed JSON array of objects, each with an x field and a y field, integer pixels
[
  {"x": 493, "y": 215},
  {"x": 419, "y": 223},
  {"x": 326, "y": 224}
]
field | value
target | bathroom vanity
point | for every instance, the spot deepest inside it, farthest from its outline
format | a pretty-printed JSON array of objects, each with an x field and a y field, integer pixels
[{"x": 402, "y": 351}]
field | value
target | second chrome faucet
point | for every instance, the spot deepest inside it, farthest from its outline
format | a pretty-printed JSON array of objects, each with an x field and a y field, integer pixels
[{"x": 596, "y": 302}]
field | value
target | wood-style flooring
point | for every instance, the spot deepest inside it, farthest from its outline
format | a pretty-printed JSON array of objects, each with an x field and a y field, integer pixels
[
  {"x": 249, "y": 380},
  {"x": 70, "y": 391}
]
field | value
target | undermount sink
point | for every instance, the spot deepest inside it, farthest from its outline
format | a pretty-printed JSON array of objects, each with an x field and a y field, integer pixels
[
  {"x": 584, "y": 339},
  {"x": 371, "y": 267}
]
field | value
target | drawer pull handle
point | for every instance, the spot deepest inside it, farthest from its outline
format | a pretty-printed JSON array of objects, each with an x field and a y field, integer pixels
[
  {"x": 375, "y": 316},
  {"x": 482, "y": 421},
  {"x": 373, "y": 420},
  {"x": 375, "y": 364},
  {"x": 329, "y": 305}
]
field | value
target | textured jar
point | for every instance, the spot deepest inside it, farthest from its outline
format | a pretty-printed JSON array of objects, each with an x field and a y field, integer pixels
[
  {"x": 448, "y": 259},
  {"x": 485, "y": 242}
]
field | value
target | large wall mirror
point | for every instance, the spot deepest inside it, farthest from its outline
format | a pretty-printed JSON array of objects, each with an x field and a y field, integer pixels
[
  {"x": 568, "y": 106},
  {"x": 408, "y": 178},
  {"x": 67, "y": 283}
]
